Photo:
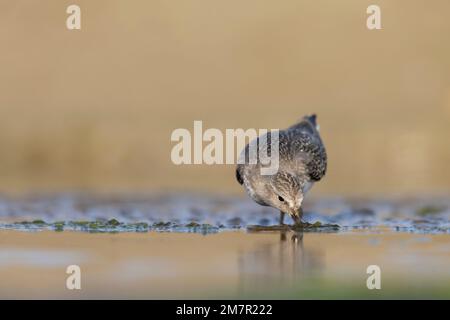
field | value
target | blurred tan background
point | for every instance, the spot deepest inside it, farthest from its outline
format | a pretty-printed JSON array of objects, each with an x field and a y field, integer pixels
[{"x": 94, "y": 109}]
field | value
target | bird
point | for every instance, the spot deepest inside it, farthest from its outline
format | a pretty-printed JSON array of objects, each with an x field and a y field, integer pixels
[{"x": 302, "y": 162}]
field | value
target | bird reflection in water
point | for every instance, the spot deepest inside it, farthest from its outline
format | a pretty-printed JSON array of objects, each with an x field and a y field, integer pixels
[{"x": 281, "y": 264}]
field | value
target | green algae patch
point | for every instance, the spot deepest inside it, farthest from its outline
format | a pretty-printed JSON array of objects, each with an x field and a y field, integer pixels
[
  {"x": 116, "y": 226},
  {"x": 138, "y": 225},
  {"x": 315, "y": 226},
  {"x": 277, "y": 227},
  {"x": 204, "y": 228},
  {"x": 162, "y": 224},
  {"x": 110, "y": 226},
  {"x": 113, "y": 222},
  {"x": 34, "y": 222},
  {"x": 303, "y": 226},
  {"x": 40, "y": 222},
  {"x": 193, "y": 224},
  {"x": 196, "y": 225},
  {"x": 429, "y": 210},
  {"x": 59, "y": 226},
  {"x": 79, "y": 223}
]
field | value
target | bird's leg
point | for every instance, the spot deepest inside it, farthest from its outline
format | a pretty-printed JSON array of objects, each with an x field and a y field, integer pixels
[{"x": 282, "y": 214}]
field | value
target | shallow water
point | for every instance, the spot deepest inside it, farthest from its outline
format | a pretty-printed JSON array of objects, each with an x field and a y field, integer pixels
[
  {"x": 229, "y": 264},
  {"x": 209, "y": 214},
  {"x": 194, "y": 246}
]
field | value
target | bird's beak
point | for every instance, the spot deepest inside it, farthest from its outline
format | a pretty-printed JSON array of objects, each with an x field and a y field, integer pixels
[{"x": 297, "y": 214}]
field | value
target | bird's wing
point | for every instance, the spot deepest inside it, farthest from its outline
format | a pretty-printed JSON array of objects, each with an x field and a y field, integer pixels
[
  {"x": 317, "y": 166},
  {"x": 310, "y": 149}
]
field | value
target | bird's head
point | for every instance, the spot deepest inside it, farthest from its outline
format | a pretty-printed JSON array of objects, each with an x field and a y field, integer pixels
[{"x": 287, "y": 194}]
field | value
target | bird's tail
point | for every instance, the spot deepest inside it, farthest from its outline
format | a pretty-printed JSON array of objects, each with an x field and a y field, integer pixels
[
  {"x": 308, "y": 122},
  {"x": 311, "y": 118}
]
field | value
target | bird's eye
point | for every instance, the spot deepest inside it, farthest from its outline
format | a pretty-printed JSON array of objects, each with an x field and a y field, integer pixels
[{"x": 280, "y": 198}]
